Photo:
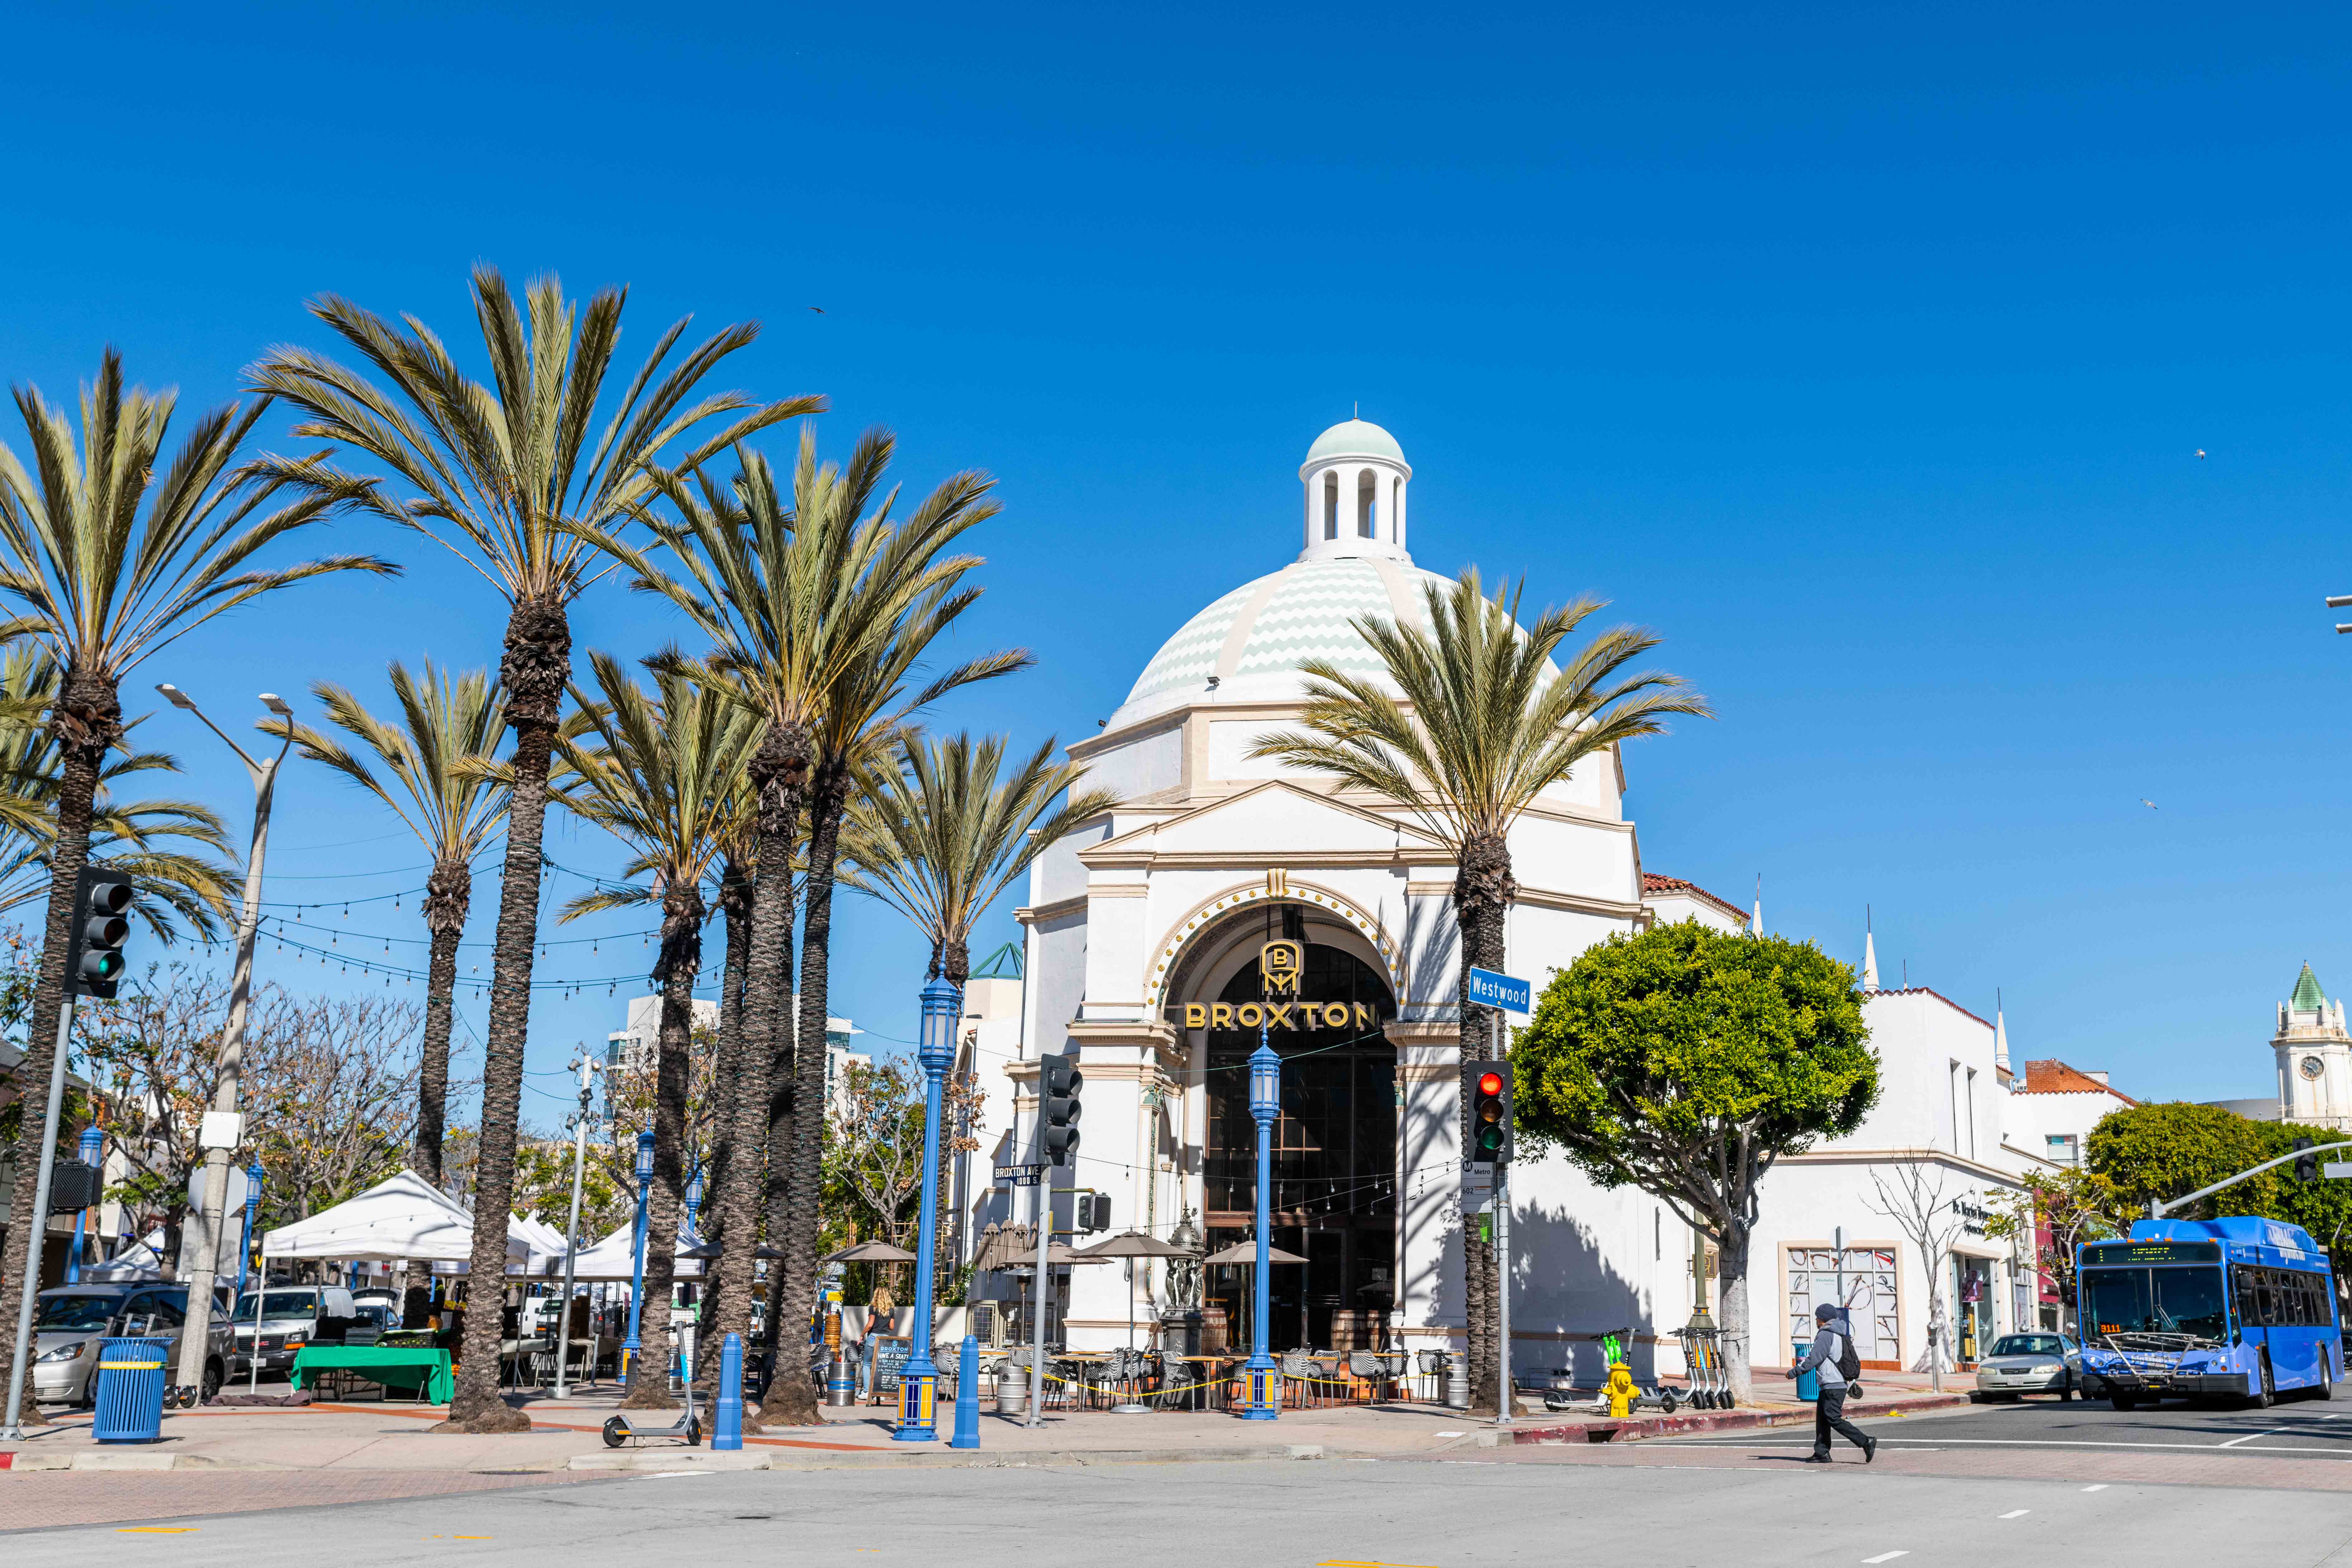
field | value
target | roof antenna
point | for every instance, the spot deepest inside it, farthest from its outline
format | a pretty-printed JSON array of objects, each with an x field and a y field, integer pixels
[{"x": 1356, "y": 409}]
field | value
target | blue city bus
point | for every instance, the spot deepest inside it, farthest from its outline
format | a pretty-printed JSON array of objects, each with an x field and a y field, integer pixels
[{"x": 2240, "y": 1307}]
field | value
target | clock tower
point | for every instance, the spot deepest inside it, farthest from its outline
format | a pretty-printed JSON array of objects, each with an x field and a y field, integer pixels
[{"x": 2315, "y": 1057}]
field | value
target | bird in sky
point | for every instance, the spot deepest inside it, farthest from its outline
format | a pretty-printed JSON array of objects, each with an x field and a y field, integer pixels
[
  {"x": 2147, "y": 802},
  {"x": 2200, "y": 451},
  {"x": 820, "y": 310}
]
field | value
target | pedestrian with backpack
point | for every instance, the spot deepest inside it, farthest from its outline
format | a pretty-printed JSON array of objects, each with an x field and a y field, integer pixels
[{"x": 1835, "y": 1358}]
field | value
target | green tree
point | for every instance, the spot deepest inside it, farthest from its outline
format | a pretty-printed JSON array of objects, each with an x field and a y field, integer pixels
[
  {"x": 661, "y": 776},
  {"x": 432, "y": 757},
  {"x": 941, "y": 834},
  {"x": 113, "y": 550},
  {"x": 2155, "y": 1152},
  {"x": 500, "y": 475},
  {"x": 1686, "y": 1062},
  {"x": 1468, "y": 724},
  {"x": 2056, "y": 1211},
  {"x": 818, "y": 612}
]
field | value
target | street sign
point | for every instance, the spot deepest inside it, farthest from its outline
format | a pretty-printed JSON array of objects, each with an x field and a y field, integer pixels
[
  {"x": 2337, "y": 1169},
  {"x": 1489, "y": 989},
  {"x": 1019, "y": 1176}
]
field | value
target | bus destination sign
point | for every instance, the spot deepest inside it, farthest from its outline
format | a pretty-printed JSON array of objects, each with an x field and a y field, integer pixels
[{"x": 2114, "y": 1253}]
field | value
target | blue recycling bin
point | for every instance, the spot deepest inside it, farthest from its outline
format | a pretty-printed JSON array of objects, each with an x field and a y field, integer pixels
[
  {"x": 1809, "y": 1384},
  {"x": 130, "y": 1378}
]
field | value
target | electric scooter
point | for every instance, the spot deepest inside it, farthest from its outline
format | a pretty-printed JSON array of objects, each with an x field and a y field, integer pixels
[{"x": 687, "y": 1428}]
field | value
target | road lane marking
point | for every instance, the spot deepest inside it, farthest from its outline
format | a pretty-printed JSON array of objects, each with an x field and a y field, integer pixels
[
  {"x": 158, "y": 1530},
  {"x": 2249, "y": 1437},
  {"x": 1885, "y": 1557},
  {"x": 2017, "y": 1513},
  {"x": 2100, "y": 1488}
]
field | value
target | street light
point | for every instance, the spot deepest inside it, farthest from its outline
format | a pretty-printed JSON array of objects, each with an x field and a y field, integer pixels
[
  {"x": 918, "y": 1380},
  {"x": 632, "y": 1345},
  {"x": 92, "y": 1152},
  {"x": 197, "y": 1332},
  {"x": 693, "y": 1201},
  {"x": 1266, "y": 1105},
  {"x": 252, "y": 1208}
]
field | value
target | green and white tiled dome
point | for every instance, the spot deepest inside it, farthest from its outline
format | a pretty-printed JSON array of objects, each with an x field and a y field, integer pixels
[{"x": 1299, "y": 613}]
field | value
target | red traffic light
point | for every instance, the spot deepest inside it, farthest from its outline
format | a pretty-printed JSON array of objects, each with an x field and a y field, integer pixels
[{"x": 1490, "y": 1083}]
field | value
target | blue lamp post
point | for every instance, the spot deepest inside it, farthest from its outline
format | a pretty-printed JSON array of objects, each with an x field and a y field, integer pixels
[
  {"x": 630, "y": 1346},
  {"x": 1265, "y": 1401},
  {"x": 92, "y": 1150},
  {"x": 693, "y": 1201},
  {"x": 252, "y": 1208},
  {"x": 918, "y": 1381}
]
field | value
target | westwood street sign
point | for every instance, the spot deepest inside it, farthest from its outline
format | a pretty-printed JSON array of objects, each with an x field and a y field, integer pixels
[{"x": 1489, "y": 989}]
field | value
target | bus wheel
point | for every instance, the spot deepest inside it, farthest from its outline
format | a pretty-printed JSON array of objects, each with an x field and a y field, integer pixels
[
  {"x": 2326, "y": 1389},
  {"x": 2269, "y": 1395},
  {"x": 2122, "y": 1401}
]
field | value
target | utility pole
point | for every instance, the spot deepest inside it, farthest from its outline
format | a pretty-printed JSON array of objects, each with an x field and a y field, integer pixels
[
  {"x": 585, "y": 1066},
  {"x": 225, "y": 1124}
]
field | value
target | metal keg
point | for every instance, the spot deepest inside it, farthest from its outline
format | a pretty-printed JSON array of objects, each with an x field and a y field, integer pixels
[
  {"x": 1012, "y": 1390},
  {"x": 1457, "y": 1380}
]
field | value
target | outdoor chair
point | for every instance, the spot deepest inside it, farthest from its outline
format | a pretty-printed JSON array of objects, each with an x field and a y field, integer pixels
[
  {"x": 1367, "y": 1370},
  {"x": 1432, "y": 1372}
]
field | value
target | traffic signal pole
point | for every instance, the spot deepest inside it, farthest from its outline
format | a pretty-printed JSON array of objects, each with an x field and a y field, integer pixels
[
  {"x": 1503, "y": 1398},
  {"x": 38, "y": 1218}
]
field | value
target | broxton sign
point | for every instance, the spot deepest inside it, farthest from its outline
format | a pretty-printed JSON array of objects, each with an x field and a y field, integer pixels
[{"x": 1280, "y": 964}]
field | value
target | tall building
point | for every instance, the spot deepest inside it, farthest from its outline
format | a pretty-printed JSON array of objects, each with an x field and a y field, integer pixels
[
  {"x": 631, "y": 1047},
  {"x": 2314, "y": 1056}
]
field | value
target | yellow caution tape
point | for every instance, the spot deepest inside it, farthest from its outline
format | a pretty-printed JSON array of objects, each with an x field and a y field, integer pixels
[{"x": 131, "y": 1366}]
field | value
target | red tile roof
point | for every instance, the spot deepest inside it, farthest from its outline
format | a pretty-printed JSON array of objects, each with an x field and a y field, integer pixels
[
  {"x": 1652, "y": 883},
  {"x": 2054, "y": 1077}
]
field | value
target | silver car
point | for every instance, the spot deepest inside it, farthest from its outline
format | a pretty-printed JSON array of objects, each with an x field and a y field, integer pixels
[
  {"x": 70, "y": 1322},
  {"x": 2027, "y": 1364}
]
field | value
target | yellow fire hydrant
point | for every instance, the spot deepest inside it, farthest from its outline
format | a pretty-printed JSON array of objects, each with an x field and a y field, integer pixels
[{"x": 1620, "y": 1390}]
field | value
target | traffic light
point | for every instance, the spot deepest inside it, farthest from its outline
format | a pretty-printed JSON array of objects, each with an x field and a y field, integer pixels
[
  {"x": 2307, "y": 1166},
  {"x": 1058, "y": 1082},
  {"x": 101, "y": 922},
  {"x": 1490, "y": 1113},
  {"x": 1093, "y": 1212}
]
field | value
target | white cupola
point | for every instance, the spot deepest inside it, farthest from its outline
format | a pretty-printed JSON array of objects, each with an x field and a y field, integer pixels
[{"x": 1355, "y": 476}]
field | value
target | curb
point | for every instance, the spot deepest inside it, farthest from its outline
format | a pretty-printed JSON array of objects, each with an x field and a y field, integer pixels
[
  {"x": 641, "y": 1462},
  {"x": 1636, "y": 1429}
]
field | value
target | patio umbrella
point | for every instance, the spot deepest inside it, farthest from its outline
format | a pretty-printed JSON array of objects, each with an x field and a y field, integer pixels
[
  {"x": 1132, "y": 1244},
  {"x": 869, "y": 1252},
  {"x": 1245, "y": 1254}
]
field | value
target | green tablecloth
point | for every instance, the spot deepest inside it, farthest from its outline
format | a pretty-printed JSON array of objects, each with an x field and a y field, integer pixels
[{"x": 417, "y": 1373}]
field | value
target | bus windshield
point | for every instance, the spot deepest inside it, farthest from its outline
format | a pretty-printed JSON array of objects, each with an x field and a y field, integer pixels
[{"x": 2170, "y": 1303}]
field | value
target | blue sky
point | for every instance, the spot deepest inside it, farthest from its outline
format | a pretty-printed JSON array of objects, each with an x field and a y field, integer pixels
[{"x": 1866, "y": 354}]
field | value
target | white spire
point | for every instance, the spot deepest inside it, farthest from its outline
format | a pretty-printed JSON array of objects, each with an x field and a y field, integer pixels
[
  {"x": 1869, "y": 954},
  {"x": 1756, "y": 922},
  {"x": 1999, "y": 1034}
]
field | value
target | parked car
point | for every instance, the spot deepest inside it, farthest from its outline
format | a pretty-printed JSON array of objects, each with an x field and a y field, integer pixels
[
  {"x": 2027, "y": 1364},
  {"x": 69, "y": 1323},
  {"x": 292, "y": 1316}
]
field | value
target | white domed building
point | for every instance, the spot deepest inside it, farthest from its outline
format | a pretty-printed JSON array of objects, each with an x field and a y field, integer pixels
[{"x": 1144, "y": 933}]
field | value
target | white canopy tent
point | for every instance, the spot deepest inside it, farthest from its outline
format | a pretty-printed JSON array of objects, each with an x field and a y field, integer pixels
[
  {"x": 614, "y": 1258},
  {"x": 404, "y": 1217},
  {"x": 547, "y": 1244}
]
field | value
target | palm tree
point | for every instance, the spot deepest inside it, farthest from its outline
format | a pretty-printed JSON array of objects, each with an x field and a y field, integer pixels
[
  {"x": 816, "y": 614},
  {"x": 496, "y": 474},
  {"x": 114, "y": 550},
  {"x": 662, "y": 779},
  {"x": 941, "y": 834},
  {"x": 432, "y": 757},
  {"x": 1477, "y": 725},
  {"x": 132, "y": 837}
]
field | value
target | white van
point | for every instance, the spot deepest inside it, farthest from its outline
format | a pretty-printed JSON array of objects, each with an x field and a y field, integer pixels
[{"x": 292, "y": 1316}]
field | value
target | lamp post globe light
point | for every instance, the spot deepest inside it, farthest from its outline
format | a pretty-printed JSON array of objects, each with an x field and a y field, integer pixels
[
  {"x": 633, "y": 1344},
  {"x": 1265, "y": 1400},
  {"x": 918, "y": 1381},
  {"x": 92, "y": 1152},
  {"x": 252, "y": 1211}
]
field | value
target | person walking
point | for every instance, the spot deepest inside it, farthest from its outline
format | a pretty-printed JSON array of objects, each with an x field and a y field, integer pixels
[{"x": 1834, "y": 1357}]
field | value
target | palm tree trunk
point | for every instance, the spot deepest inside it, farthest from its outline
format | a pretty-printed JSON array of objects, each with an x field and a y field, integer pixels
[
  {"x": 1483, "y": 889},
  {"x": 537, "y": 662},
  {"x": 448, "y": 896},
  {"x": 776, "y": 1191},
  {"x": 87, "y": 718},
  {"x": 681, "y": 962},
  {"x": 793, "y": 1399},
  {"x": 779, "y": 774},
  {"x": 735, "y": 906},
  {"x": 952, "y": 960}
]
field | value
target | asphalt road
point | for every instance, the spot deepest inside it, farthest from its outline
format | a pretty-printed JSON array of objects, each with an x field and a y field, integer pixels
[
  {"x": 1303, "y": 1514},
  {"x": 2307, "y": 1429}
]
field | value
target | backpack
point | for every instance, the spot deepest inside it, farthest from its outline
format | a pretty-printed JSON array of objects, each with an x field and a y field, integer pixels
[{"x": 1849, "y": 1364}]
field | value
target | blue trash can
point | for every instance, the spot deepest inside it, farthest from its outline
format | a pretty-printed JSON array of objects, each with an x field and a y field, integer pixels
[
  {"x": 1809, "y": 1384},
  {"x": 130, "y": 1378}
]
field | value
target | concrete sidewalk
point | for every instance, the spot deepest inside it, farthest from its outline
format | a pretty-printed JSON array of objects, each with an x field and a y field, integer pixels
[{"x": 566, "y": 1434}]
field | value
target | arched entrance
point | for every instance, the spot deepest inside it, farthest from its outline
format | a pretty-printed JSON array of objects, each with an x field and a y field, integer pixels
[{"x": 1335, "y": 1153}]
